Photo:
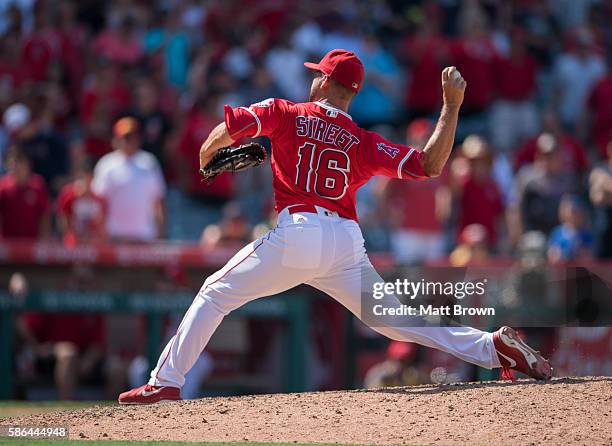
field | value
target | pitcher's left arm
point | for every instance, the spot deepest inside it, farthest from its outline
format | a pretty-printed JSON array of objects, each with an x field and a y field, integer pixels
[
  {"x": 264, "y": 118},
  {"x": 217, "y": 139}
]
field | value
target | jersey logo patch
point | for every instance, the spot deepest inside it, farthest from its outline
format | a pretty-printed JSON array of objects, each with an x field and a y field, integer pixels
[
  {"x": 331, "y": 113},
  {"x": 391, "y": 151},
  {"x": 264, "y": 103}
]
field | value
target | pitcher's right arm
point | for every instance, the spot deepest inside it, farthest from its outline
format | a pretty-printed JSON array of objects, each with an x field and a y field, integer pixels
[{"x": 438, "y": 148}]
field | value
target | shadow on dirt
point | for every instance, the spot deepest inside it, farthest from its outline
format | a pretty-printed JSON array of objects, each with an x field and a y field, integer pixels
[{"x": 442, "y": 388}]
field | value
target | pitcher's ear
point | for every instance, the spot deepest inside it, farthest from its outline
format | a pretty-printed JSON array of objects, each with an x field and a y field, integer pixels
[{"x": 326, "y": 82}]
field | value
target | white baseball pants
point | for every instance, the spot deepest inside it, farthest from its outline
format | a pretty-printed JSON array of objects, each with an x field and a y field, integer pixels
[{"x": 321, "y": 250}]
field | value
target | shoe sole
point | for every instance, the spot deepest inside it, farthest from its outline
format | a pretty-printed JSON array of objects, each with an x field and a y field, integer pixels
[
  {"x": 538, "y": 366},
  {"x": 147, "y": 404}
]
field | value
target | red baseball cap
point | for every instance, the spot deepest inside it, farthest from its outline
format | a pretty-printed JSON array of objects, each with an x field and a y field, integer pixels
[{"x": 342, "y": 66}]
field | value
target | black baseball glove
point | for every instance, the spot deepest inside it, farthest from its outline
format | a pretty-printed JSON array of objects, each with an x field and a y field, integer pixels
[{"x": 234, "y": 159}]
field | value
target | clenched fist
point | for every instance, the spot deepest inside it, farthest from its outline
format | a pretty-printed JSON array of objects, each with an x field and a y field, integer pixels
[{"x": 453, "y": 87}]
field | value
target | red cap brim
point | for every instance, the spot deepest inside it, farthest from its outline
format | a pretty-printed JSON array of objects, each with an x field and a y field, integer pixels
[{"x": 313, "y": 66}]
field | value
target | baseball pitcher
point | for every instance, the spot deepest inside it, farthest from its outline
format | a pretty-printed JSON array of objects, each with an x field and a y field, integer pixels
[{"x": 320, "y": 157}]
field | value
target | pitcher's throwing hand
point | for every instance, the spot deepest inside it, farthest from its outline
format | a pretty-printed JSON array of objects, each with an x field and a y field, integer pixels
[{"x": 453, "y": 87}]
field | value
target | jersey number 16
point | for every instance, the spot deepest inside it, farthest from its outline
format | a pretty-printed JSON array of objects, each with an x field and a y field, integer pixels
[{"x": 327, "y": 175}]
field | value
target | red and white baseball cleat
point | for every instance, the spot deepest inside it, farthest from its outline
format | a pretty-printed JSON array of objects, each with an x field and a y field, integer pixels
[
  {"x": 514, "y": 354},
  {"x": 149, "y": 394}
]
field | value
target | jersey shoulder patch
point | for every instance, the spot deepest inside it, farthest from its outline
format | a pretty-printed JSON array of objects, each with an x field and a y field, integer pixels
[{"x": 389, "y": 150}]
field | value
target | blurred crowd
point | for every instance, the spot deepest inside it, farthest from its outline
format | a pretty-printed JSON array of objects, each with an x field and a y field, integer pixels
[{"x": 104, "y": 106}]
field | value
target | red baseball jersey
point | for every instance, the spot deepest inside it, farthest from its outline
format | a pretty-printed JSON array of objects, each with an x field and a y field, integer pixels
[
  {"x": 22, "y": 206},
  {"x": 319, "y": 155},
  {"x": 85, "y": 212}
]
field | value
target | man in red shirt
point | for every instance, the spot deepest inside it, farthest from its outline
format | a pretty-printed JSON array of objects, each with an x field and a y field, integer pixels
[
  {"x": 106, "y": 96},
  {"x": 601, "y": 112},
  {"x": 478, "y": 196},
  {"x": 413, "y": 207},
  {"x": 320, "y": 157},
  {"x": 514, "y": 115},
  {"x": 425, "y": 52},
  {"x": 68, "y": 346},
  {"x": 24, "y": 201},
  {"x": 80, "y": 211},
  {"x": 198, "y": 124},
  {"x": 572, "y": 152},
  {"x": 474, "y": 54}
]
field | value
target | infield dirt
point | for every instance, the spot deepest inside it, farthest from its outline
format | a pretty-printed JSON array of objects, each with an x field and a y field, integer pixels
[{"x": 571, "y": 411}]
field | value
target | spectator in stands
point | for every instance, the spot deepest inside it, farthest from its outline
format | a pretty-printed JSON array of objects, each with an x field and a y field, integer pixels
[
  {"x": 514, "y": 115},
  {"x": 341, "y": 32},
  {"x": 198, "y": 203},
  {"x": 200, "y": 120},
  {"x": 415, "y": 208},
  {"x": 478, "y": 198},
  {"x": 425, "y": 52},
  {"x": 44, "y": 147},
  {"x": 286, "y": 66},
  {"x": 40, "y": 47},
  {"x": 14, "y": 118},
  {"x": 473, "y": 246},
  {"x": 474, "y": 55},
  {"x": 399, "y": 369},
  {"x": 53, "y": 102},
  {"x": 538, "y": 191},
  {"x": 308, "y": 34},
  {"x": 572, "y": 152},
  {"x": 104, "y": 95},
  {"x": 154, "y": 123},
  {"x": 601, "y": 197},
  {"x": 97, "y": 134},
  {"x": 68, "y": 347},
  {"x": 543, "y": 30},
  {"x": 130, "y": 181},
  {"x": 24, "y": 201},
  {"x": 261, "y": 87},
  {"x": 575, "y": 73},
  {"x": 80, "y": 212},
  {"x": 377, "y": 100},
  {"x": 173, "y": 44},
  {"x": 73, "y": 37},
  {"x": 572, "y": 239},
  {"x": 11, "y": 69},
  {"x": 233, "y": 229},
  {"x": 600, "y": 110},
  {"x": 121, "y": 44},
  {"x": 237, "y": 62}
]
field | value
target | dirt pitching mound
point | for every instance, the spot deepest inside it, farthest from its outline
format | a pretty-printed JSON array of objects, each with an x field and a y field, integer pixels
[{"x": 563, "y": 411}]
